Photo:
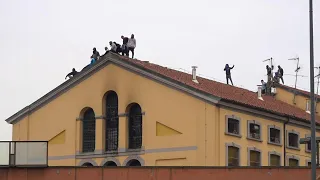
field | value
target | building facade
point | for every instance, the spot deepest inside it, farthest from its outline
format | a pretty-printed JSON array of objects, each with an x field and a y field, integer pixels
[{"x": 125, "y": 112}]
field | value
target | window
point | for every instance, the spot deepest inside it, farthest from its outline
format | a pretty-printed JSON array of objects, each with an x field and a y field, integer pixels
[
  {"x": 308, "y": 145},
  {"x": 293, "y": 140},
  {"x": 233, "y": 126},
  {"x": 274, "y": 135},
  {"x": 135, "y": 126},
  {"x": 88, "y": 131},
  {"x": 254, "y": 130},
  {"x": 308, "y": 163},
  {"x": 308, "y": 105},
  {"x": 274, "y": 159},
  {"x": 233, "y": 152},
  {"x": 112, "y": 121},
  {"x": 293, "y": 162},
  {"x": 254, "y": 157}
]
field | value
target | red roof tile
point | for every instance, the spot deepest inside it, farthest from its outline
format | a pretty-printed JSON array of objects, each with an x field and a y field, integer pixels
[{"x": 227, "y": 92}]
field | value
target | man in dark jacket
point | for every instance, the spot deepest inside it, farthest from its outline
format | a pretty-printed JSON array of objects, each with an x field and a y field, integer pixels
[
  {"x": 269, "y": 73},
  {"x": 228, "y": 73},
  {"x": 72, "y": 73},
  {"x": 280, "y": 73},
  {"x": 125, "y": 50}
]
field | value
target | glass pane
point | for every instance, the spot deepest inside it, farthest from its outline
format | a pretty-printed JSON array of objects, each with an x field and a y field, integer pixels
[
  {"x": 293, "y": 162},
  {"x": 31, "y": 153},
  {"x": 274, "y": 160},
  {"x": 233, "y": 156},
  {"x": 254, "y": 158},
  {"x": 4, "y": 153}
]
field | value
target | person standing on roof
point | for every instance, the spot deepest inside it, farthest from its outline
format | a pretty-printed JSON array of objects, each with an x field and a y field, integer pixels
[
  {"x": 95, "y": 55},
  {"x": 280, "y": 73},
  {"x": 228, "y": 73},
  {"x": 269, "y": 73},
  {"x": 125, "y": 46},
  {"x": 263, "y": 86},
  {"x": 131, "y": 45}
]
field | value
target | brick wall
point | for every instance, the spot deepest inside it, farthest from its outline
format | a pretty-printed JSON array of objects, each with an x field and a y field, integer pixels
[{"x": 153, "y": 173}]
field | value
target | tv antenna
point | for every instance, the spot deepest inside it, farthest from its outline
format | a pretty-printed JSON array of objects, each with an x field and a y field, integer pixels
[
  {"x": 271, "y": 63},
  {"x": 295, "y": 83}
]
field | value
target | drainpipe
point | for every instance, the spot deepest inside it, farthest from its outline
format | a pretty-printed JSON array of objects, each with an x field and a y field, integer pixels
[{"x": 285, "y": 142}]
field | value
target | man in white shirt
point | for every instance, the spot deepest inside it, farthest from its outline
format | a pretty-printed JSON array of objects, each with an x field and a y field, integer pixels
[
  {"x": 132, "y": 44},
  {"x": 113, "y": 47}
]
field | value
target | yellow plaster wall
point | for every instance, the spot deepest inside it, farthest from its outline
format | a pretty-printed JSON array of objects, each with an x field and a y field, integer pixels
[
  {"x": 243, "y": 142},
  {"x": 170, "y": 107}
]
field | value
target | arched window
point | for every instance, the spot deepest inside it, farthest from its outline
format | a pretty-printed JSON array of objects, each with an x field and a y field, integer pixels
[
  {"x": 112, "y": 121},
  {"x": 88, "y": 131},
  {"x": 110, "y": 163},
  {"x": 135, "y": 126},
  {"x": 87, "y": 164},
  {"x": 133, "y": 162}
]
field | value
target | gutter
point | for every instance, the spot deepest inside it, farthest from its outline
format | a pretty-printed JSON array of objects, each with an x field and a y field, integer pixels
[{"x": 285, "y": 141}]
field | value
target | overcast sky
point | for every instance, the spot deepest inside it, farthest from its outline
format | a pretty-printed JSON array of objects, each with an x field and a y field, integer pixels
[{"x": 42, "y": 40}]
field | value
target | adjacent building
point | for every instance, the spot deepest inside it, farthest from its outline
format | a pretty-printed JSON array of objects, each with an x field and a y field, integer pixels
[{"x": 126, "y": 112}]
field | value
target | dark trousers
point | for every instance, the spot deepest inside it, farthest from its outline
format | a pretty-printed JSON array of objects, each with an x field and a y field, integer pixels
[
  {"x": 125, "y": 50},
  {"x": 229, "y": 77},
  {"x": 281, "y": 77},
  {"x": 132, "y": 51}
]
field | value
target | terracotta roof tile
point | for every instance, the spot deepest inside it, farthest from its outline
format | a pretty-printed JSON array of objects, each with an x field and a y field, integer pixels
[{"x": 227, "y": 92}]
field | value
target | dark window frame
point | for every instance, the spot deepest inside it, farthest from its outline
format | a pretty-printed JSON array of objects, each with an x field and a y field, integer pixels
[
  {"x": 111, "y": 122},
  {"x": 135, "y": 126},
  {"x": 88, "y": 131}
]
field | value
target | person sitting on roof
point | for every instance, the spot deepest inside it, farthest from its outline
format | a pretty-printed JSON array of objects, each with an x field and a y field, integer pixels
[
  {"x": 228, "y": 73},
  {"x": 72, "y": 73},
  {"x": 276, "y": 77},
  {"x": 263, "y": 86},
  {"x": 95, "y": 54},
  {"x": 113, "y": 47},
  {"x": 107, "y": 50}
]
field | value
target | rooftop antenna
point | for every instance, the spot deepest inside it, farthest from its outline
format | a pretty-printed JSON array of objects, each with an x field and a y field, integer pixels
[
  {"x": 271, "y": 64},
  {"x": 295, "y": 83}
]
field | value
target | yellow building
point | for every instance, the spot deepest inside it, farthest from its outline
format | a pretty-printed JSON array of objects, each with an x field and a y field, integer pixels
[{"x": 126, "y": 112}]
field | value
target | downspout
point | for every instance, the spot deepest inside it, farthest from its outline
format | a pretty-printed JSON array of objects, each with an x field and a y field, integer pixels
[{"x": 285, "y": 141}]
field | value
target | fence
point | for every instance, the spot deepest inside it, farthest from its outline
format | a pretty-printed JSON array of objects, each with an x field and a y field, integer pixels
[
  {"x": 23, "y": 153},
  {"x": 154, "y": 173}
]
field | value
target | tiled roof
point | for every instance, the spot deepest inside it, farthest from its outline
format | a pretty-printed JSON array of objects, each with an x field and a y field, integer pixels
[
  {"x": 227, "y": 92},
  {"x": 299, "y": 91}
]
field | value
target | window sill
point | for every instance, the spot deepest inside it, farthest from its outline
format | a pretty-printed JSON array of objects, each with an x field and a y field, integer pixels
[
  {"x": 276, "y": 144},
  {"x": 253, "y": 139},
  {"x": 231, "y": 134},
  {"x": 308, "y": 151},
  {"x": 294, "y": 148}
]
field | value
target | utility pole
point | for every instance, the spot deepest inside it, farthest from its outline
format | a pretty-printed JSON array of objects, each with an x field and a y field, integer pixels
[
  {"x": 295, "y": 84},
  {"x": 313, "y": 122},
  {"x": 318, "y": 77}
]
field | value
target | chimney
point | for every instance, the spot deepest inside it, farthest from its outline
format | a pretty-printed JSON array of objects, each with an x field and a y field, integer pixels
[
  {"x": 194, "y": 74},
  {"x": 260, "y": 93}
]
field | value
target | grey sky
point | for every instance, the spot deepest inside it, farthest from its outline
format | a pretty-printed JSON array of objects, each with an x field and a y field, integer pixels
[{"x": 42, "y": 40}]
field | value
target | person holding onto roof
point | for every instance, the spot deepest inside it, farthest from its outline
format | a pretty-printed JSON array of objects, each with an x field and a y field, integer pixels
[
  {"x": 263, "y": 86},
  {"x": 228, "y": 73},
  {"x": 72, "y": 73}
]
